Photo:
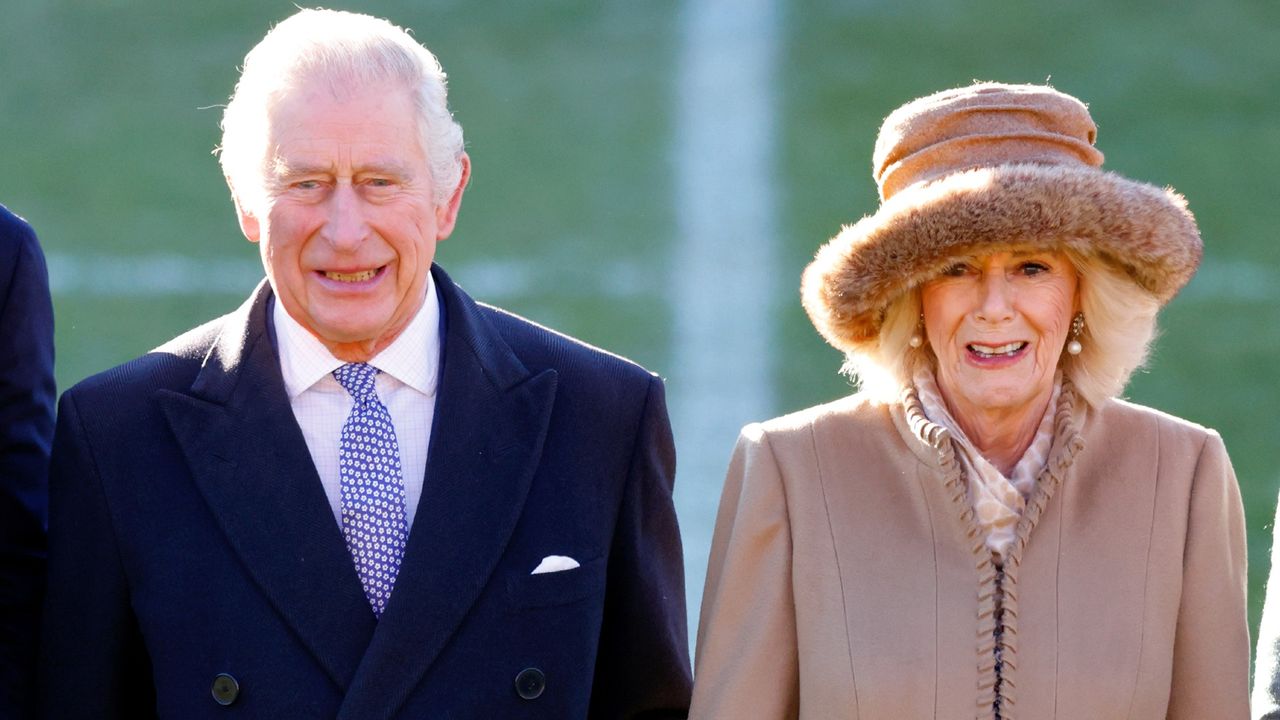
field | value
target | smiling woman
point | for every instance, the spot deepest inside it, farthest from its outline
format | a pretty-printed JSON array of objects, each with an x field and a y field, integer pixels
[
  {"x": 997, "y": 326},
  {"x": 984, "y": 529}
]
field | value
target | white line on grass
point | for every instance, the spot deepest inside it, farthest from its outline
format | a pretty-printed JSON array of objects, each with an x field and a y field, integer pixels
[
  {"x": 150, "y": 275},
  {"x": 173, "y": 275},
  {"x": 724, "y": 265}
]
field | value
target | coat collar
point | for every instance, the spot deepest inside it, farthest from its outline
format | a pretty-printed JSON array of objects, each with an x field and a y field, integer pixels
[
  {"x": 933, "y": 445},
  {"x": 249, "y": 460}
]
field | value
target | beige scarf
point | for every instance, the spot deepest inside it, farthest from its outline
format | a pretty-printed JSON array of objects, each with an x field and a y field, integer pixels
[{"x": 998, "y": 502}]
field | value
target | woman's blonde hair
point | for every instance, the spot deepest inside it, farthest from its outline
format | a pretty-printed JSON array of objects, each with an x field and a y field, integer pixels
[{"x": 1119, "y": 327}]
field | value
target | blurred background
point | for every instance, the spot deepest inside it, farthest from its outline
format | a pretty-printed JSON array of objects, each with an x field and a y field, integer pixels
[{"x": 653, "y": 176}]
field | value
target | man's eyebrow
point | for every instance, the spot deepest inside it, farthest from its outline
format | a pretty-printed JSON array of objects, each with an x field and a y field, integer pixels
[
  {"x": 282, "y": 168},
  {"x": 389, "y": 165}
]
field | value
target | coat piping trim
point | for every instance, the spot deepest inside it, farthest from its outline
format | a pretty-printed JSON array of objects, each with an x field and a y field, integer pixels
[{"x": 1068, "y": 421}]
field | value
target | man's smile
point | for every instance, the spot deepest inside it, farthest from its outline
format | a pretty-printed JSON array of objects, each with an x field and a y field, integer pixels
[{"x": 353, "y": 277}]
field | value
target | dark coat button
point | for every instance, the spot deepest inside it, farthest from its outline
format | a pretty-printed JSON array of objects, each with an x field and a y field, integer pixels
[
  {"x": 530, "y": 683},
  {"x": 225, "y": 689}
]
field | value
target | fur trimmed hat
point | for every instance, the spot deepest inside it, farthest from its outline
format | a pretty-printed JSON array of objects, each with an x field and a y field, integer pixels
[{"x": 975, "y": 169}]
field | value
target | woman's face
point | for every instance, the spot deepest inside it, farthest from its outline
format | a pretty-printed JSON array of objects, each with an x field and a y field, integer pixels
[{"x": 997, "y": 324}]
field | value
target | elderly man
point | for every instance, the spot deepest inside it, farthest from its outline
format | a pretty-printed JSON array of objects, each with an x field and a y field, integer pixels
[
  {"x": 362, "y": 494},
  {"x": 26, "y": 428}
]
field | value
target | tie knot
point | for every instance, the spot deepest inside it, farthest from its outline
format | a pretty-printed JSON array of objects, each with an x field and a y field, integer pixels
[{"x": 357, "y": 379}]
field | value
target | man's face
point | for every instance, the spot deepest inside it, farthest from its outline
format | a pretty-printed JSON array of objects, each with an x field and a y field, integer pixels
[{"x": 349, "y": 224}]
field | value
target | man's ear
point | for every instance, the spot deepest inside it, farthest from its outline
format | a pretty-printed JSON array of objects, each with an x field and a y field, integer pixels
[
  {"x": 248, "y": 219},
  {"x": 447, "y": 213}
]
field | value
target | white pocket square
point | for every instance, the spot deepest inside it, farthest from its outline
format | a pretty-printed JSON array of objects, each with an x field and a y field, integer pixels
[{"x": 554, "y": 563}]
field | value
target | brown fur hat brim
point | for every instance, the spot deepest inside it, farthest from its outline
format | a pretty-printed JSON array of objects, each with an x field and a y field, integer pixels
[{"x": 1141, "y": 229}]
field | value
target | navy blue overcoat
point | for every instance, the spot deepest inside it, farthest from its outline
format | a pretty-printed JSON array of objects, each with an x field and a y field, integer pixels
[
  {"x": 195, "y": 561},
  {"x": 26, "y": 429}
]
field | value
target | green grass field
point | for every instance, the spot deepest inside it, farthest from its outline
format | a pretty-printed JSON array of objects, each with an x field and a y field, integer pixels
[{"x": 109, "y": 111}]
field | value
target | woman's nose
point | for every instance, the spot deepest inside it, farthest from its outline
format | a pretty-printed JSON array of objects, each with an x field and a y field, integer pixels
[{"x": 995, "y": 303}]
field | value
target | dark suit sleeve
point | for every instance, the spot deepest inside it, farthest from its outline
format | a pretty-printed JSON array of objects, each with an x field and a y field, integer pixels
[
  {"x": 26, "y": 427},
  {"x": 642, "y": 670},
  {"x": 93, "y": 664}
]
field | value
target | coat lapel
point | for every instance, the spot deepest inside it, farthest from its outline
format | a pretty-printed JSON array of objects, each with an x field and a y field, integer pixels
[
  {"x": 490, "y": 421},
  {"x": 251, "y": 464}
]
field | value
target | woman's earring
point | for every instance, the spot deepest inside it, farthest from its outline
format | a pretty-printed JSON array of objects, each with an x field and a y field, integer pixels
[
  {"x": 917, "y": 339},
  {"x": 1077, "y": 326}
]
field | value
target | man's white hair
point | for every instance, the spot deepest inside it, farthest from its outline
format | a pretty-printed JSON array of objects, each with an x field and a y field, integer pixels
[{"x": 349, "y": 51}]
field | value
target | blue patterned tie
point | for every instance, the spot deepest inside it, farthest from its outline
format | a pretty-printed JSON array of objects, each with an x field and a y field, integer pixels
[{"x": 373, "y": 517}]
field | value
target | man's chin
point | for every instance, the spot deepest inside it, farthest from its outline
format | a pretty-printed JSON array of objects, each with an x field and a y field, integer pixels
[{"x": 356, "y": 344}]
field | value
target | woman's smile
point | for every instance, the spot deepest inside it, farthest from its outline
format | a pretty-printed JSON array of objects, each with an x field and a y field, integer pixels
[{"x": 984, "y": 353}]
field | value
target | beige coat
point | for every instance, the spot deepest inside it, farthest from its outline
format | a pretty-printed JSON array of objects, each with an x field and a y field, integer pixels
[{"x": 848, "y": 579}]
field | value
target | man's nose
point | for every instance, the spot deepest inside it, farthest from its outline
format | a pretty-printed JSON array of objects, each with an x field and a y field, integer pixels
[{"x": 346, "y": 226}]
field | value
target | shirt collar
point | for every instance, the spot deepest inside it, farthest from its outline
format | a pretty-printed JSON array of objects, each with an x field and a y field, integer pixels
[{"x": 413, "y": 357}]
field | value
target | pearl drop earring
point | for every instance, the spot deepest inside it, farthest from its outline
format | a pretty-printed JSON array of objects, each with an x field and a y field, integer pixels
[
  {"x": 1077, "y": 326},
  {"x": 917, "y": 340}
]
